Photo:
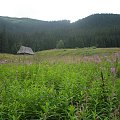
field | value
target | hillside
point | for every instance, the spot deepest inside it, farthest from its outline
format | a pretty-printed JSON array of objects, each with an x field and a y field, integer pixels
[
  {"x": 26, "y": 25},
  {"x": 33, "y": 25},
  {"x": 98, "y": 21},
  {"x": 99, "y": 30}
]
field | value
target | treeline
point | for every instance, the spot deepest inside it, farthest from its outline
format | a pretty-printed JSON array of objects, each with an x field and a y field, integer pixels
[{"x": 99, "y": 30}]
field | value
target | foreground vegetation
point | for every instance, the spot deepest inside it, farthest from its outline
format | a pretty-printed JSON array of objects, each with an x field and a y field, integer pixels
[{"x": 86, "y": 89}]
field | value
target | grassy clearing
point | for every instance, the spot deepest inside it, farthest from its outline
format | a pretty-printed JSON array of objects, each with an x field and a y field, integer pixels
[
  {"x": 60, "y": 55},
  {"x": 82, "y": 90}
]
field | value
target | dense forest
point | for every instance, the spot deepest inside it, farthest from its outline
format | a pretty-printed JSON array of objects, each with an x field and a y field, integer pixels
[{"x": 98, "y": 30}]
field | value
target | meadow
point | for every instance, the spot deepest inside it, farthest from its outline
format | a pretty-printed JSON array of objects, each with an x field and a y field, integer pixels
[{"x": 65, "y": 84}]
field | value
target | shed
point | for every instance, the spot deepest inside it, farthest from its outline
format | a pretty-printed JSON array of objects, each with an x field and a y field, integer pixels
[{"x": 25, "y": 50}]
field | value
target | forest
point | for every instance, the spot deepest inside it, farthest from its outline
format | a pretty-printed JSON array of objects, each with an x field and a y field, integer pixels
[{"x": 97, "y": 30}]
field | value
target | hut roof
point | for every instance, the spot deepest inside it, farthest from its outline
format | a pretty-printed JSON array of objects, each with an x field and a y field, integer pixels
[{"x": 25, "y": 50}]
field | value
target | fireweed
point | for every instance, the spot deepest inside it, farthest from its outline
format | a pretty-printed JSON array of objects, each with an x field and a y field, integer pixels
[{"x": 58, "y": 91}]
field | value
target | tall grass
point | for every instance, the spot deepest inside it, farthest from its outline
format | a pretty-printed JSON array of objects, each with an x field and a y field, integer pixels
[
  {"x": 68, "y": 84},
  {"x": 59, "y": 91}
]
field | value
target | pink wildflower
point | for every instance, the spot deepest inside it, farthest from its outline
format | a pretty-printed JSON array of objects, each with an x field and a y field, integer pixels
[
  {"x": 113, "y": 70},
  {"x": 97, "y": 59},
  {"x": 116, "y": 55}
]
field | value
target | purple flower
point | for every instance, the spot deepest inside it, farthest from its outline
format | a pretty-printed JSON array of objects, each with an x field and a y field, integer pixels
[
  {"x": 113, "y": 70},
  {"x": 97, "y": 59},
  {"x": 116, "y": 55}
]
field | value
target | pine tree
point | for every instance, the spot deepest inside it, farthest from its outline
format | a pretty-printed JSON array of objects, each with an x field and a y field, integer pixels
[{"x": 60, "y": 44}]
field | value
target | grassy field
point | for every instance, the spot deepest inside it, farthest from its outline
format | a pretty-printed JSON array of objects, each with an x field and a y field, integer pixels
[
  {"x": 62, "y": 55},
  {"x": 65, "y": 84}
]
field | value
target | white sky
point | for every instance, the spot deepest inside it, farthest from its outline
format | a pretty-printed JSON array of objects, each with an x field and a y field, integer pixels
[{"x": 49, "y": 10}]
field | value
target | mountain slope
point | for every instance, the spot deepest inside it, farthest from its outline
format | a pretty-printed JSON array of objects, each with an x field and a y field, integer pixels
[
  {"x": 30, "y": 25},
  {"x": 33, "y": 25},
  {"x": 98, "y": 20},
  {"x": 99, "y": 30}
]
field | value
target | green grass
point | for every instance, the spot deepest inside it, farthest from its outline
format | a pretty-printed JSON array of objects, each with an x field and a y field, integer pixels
[
  {"x": 59, "y": 55},
  {"x": 61, "y": 90}
]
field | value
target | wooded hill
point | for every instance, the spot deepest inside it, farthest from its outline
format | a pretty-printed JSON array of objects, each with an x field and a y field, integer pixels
[{"x": 99, "y": 30}]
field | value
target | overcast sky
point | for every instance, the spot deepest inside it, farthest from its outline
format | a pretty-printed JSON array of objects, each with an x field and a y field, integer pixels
[{"x": 50, "y": 10}]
